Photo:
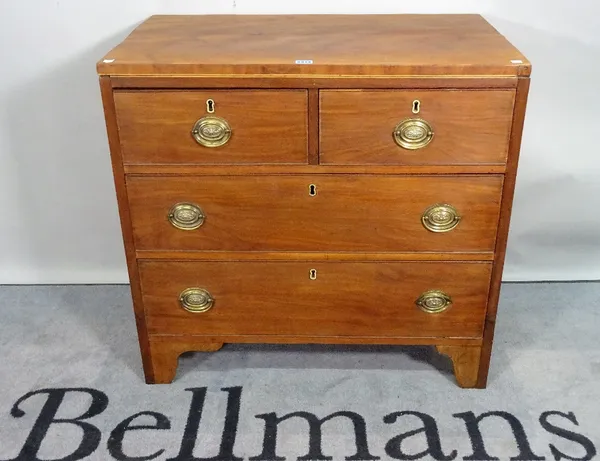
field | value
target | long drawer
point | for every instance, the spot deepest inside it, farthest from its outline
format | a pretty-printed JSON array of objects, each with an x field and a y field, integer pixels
[
  {"x": 315, "y": 298},
  {"x": 212, "y": 127},
  {"x": 315, "y": 213},
  {"x": 415, "y": 127}
]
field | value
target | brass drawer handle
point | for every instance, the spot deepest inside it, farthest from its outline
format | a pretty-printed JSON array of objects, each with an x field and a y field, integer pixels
[
  {"x": 440, "y": 218},
  {"x": 186, "y": 216},
  {"x": 196, "y": 300},
  {"x": 434, "y": 301},
  {"x": 211, "y": 131},
  {"x": 413, "y": 133}
]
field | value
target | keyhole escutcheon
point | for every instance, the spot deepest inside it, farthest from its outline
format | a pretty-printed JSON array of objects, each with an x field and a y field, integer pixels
[
  {"x": 416, "y": 107},
  {"x": 312, "y": 274},
  {"x": 210, "y": 106},
  {"x": 312, "y": 190}
]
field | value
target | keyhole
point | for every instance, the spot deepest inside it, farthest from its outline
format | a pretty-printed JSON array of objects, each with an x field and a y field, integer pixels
[
  {"x": 210, "y": 106},
  {"x": 416, "y": 108},
  {"x": 312, "y": 190},
  {"x": 312, "y": 274}
]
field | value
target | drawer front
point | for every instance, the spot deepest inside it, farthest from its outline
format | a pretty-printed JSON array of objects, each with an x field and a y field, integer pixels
[
  {"x": 313, "y": 212},
  {"x": 252, "y": 126},
  {"x": 462, "y": 127},
  {"x": 348, "y": 299}
]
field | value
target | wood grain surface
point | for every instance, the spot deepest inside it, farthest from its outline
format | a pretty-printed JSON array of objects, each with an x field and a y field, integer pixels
[
  {"x": 280, "y": 81},
  {"x": 346, "y": 299},
  {"x": 165, "y": 356},
  {"x": 252, "y": 170},
  {"x": 112, "y": 130},
  {"x": 508, "y": 192},
  {"x": 348, "y": 213},
  {"x": 330, "y": 44},
  {"x": 201, "y": 341},
  {"x": 314, "y": 100},
  {"x": 465, "y": 360},
  {"x": 470, "y": 127},
  {"x": 211, "y": 255},
  {"x": 166, "y": 349},
  {"x": 267, "y": 126}
]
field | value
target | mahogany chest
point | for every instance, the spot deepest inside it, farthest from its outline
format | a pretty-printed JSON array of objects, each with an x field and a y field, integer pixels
[{"x": 315, "y": 179}]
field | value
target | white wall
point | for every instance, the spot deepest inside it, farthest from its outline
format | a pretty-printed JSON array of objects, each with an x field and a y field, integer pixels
[{"x": 60, "y": 222}]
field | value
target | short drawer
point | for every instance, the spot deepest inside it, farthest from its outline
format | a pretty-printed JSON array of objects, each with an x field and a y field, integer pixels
[
  {"x": 245, "y": 127},
  {"x": 315, "y": 212},
  {"x": 415, "y": 127},
  {"x": 315, "y": 298}
]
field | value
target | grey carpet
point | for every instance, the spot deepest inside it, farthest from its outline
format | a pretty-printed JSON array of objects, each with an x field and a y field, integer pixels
[{"x": 55, "y": 339}]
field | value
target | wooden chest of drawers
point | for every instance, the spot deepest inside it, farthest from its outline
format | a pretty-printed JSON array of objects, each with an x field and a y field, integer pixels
[{"x": 315, "y": 179}]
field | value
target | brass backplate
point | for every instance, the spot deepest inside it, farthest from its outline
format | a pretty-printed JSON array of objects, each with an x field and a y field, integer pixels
[
  {"x": 434, "y": 301},
  {"x": 211, "y": 131},
  {"x": 186, "y": 216},
  {"x": 440, "y": 217},
  {"x": 196, "y": 300},
  {"x": 413, "y": 133}
]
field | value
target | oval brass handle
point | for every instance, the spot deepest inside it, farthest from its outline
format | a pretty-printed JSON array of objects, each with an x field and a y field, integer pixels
[
  {"x": 434, "y": 301},
  {"x": 211, "y": 131},
  {"x": 196, "y": 300},
  {"x": 413, "y": 133},
  {"x": 186, "y": 216},
  {"x": 440, "y": 217}
]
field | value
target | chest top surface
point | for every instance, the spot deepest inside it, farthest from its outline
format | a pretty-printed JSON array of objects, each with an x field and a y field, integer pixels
[{"x": 353, "y": 45}]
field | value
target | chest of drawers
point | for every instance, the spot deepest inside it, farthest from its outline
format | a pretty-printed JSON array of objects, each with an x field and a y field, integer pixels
[{"x": 315, "y": 179}]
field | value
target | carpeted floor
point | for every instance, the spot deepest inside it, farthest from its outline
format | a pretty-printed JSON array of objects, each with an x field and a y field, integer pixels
[{"x": 70, "y": 375}]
